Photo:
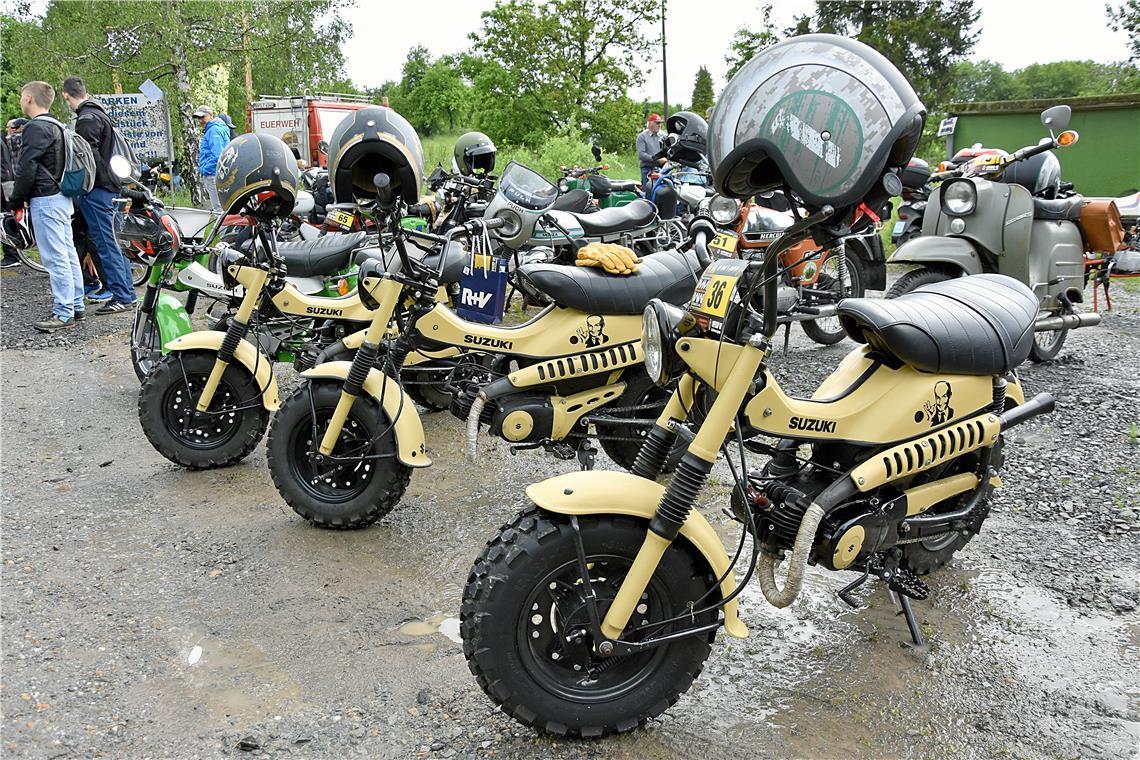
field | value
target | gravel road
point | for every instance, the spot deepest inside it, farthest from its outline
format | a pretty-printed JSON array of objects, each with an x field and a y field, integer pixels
[{"x": 153, "y": 612}]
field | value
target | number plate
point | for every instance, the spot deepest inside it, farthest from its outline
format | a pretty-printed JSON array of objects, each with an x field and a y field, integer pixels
[
  {"x": 725, "y": 241},
  {"x": 341, "y": 218},
  {"x": 717, "y": 288},
  {"x": 899, "y": 227}
]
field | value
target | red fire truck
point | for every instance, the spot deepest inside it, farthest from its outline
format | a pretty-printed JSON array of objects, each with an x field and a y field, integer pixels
[{"x": 303, "y": 121}]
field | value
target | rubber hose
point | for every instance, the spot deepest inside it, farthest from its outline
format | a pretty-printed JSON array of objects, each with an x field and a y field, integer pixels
[
  {"x": 473, "y": 424},
  {"x": 766, "y": 566}
]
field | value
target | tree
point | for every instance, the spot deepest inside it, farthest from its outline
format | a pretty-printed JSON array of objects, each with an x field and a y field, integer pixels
[
  {"x": 702, "y": 92},
  {"x": 982, "y": 81},
  {"x": 1126, "y": 18},
  {"x": 431, "y": 94},
  {"x": 747, "y": 42},
  {"x": 560, "y": 59}
]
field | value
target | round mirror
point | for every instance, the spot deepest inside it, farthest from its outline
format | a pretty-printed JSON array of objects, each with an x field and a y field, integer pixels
[
  {"x": 120, "y": 167},
  {"x": 323, "y": 147}
]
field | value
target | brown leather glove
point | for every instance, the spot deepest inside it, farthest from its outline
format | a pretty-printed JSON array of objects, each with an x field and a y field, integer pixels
[{"x": 614, "y": 259}]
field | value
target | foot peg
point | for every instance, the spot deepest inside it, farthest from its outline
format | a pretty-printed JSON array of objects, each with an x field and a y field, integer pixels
[{"x": 907, "y": 584}]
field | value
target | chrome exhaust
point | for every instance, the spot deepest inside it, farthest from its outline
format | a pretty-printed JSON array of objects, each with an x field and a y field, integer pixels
[
  {"x": 1066, "y": 322},
  {"x": 817, "y": 312}
]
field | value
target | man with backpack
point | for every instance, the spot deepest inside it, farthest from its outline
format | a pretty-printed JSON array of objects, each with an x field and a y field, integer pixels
[
  {"x": 215, "y": 135},
  {"x": 39, "y": 172},
  {"x": 94, "y": 125}
]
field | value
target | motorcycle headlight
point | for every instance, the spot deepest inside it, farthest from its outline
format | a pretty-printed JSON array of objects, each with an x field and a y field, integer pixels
[
  {"x": 226, "y": 259},
  {"x": 373, "y": 271},
  {"x": 661, "y": 325},
  {"x": 959, "y": 197},
  {"x": 724, "y": 210}
]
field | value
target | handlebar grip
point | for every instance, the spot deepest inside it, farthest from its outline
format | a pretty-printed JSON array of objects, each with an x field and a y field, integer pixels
[
  {"x": 1041, "y": 147},
  {"x": 420, "y": 209},
  {"x": 383, "y": 188},
  {"x": 493, "y": 223}
]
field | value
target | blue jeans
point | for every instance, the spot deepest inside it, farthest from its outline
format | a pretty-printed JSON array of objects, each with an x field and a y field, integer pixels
[
  {"x": 51, "y": 221},
  {"x": 99, "y": 214}
]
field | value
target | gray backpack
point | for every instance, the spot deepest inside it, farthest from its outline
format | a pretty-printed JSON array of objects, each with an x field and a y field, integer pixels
[{"x": 78, "y": 175}]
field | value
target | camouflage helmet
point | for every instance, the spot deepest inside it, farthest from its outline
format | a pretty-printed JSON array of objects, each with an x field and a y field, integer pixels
[
  {"x": 257, "y": 173},
  {"x": 826, "y": 115},
  {"x": 370, "y": 141},
  {"x": 474, "y": 154}
]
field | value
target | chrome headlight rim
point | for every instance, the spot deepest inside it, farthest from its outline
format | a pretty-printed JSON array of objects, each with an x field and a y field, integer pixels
[
  {"x": 652, "y": 345},
  {"x": 662, "y": 324},
  {"x": 724, "y": 210},
  {"x": 959, "y": 197}
]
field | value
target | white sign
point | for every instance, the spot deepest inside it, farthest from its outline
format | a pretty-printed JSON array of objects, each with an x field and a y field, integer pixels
[
  {"x": 144, "y": 121},
  {"x": 151, "y": 90},
  {"x": 947, "y": 126}
]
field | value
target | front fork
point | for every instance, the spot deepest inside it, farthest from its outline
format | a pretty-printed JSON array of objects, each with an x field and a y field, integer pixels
[
  {"x": 690, "y": 477},
  {"x": 238, "y": 328}
]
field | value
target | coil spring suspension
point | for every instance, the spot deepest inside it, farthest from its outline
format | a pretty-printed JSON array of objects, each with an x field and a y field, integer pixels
[
  {"x": 840, "y": 253},
  {"x": 998, "y": 406}
]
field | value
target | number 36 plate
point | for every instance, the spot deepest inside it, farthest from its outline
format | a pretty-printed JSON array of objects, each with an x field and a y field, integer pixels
[{"x": 717, "y": 288}]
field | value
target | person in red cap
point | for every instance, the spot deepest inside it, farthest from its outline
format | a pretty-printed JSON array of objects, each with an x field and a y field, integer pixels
[{"x": 648, "y": 145}]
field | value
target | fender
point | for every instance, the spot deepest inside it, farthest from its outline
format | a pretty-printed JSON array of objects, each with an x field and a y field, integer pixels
[
  {"x": 172, "y": 320},
  {"x": 868, "y": 248},
  {"x": 936, "y": 249},
  {"x": 259, "y": 365},
  {"x": 398, "y": 405},
  {"x": 621, "y": 493}
]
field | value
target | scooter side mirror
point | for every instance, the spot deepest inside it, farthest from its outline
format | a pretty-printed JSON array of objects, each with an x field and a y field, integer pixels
[
  {"x": 121, "y": 167},
  {"x": 597, "y": 151},
  {"x": 1057, "y": 117},
  {"x": 323, "y": 148}
]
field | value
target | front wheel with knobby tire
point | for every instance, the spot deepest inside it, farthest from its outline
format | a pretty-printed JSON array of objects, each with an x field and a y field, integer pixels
[
  {"x": 526, "y": 631},
  {"x": 354, "y": 486},
  {"x": 224, "y": 434}
]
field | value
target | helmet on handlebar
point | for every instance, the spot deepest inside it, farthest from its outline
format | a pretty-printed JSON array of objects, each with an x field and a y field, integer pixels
[
  {"x": 372, "y": 141},
  {"x": 1040, "y": 174},
  {"x": 474, "y": 154},
  {"x": 15, "y": 230},
  {"x": 826, "y": 115},
  {"x": 257, "y": 173},
  {"x": 691, "y": 143}
]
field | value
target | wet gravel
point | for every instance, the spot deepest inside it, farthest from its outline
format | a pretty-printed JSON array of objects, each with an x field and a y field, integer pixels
[{"x": 148, "y": 611}]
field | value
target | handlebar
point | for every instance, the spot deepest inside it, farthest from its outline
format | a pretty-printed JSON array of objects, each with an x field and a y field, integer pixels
[{"x": 1046, "y": 144}]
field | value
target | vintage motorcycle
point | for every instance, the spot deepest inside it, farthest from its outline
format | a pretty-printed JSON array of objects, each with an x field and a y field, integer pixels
[
  {"x": 1000, "y": 213},
  {"x": 594, "y": 609},
  {"x": 342, "y": 447}
]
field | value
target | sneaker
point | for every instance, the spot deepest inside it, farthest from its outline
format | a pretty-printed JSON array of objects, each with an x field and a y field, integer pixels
[
  {"x": 53, "y": 323},
  {"x": 100, "y": 295},
  {"x": 115, "y": 307},
  {"x": 8, "y": 262},
  {"x": 80, "y": 315}
]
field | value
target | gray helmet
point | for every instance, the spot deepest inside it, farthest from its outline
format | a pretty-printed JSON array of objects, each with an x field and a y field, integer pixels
[
  {"x": 257, "y": 173},
  {"x": 826, "y": 115},
  {"x": 1040, "y": 174},
  {"x": 474, "y": 154},
  {"x": 370, "y": 141}
]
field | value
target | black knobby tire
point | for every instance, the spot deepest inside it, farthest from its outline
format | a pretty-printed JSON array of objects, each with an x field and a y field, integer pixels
[
  {"x": 1046, "y": 345},
  {"x": 916, "y": 279},
  {"x": 640, "y": 390},
  {"x": 146, "y": 343},
  {"x": 503, "y": 608},
  {"x": 925, "y": 557},
  {"x": 828, "y": 331},
  {"x": 232, "y": 426},
  {"x": 341, "y": 495}
]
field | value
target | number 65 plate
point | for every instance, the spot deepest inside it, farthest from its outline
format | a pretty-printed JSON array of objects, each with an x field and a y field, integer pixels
[{"x": 717, "y": 288}]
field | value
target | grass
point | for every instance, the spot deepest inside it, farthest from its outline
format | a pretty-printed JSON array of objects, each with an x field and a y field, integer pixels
[{"x": 557, "y": 152}]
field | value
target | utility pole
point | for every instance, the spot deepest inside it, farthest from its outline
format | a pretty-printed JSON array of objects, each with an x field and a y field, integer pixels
[{"x": 664, "y": 70}]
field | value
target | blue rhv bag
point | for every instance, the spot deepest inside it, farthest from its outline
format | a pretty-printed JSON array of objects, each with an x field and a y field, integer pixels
[{"x": 483, "y": 289}]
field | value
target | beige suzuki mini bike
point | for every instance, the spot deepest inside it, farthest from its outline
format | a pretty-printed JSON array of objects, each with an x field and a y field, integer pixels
[
  {"x": 595, "y": 608},
  {"x": 342, "y": 447}
]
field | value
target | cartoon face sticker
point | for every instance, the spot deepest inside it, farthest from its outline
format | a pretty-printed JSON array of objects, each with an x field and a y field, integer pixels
[
  {"x": 938, "y": 410},
  {"x": 592, "y": 334}
]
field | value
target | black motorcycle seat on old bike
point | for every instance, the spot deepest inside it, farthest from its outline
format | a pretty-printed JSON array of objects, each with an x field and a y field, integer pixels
[
  {"x": 610, "y": 221},
  {"x": 669, "y": 275},
  {"x": 327, "y": 254},
  {"x": 976, "y": 325},
  {"x": 454, "y": 259}
]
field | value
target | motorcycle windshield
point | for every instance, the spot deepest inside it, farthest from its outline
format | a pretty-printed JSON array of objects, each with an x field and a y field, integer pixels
[{"x": 527, "y": 188}]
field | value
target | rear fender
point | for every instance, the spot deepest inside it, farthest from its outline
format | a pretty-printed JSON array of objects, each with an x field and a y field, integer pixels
[
  {"x": 933, "y": 249},
  {"x": 620, "y": 493},
  {"x": 398, "y": 405},
  {"x": 259, "y": 365},
  {"x": 869, "y": 250}
]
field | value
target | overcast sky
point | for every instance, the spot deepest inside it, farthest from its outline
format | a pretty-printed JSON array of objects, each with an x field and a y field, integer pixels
[{"x": 1015, "y": 33}]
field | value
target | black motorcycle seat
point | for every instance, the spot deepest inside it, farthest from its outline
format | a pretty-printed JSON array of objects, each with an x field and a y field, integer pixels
[
  {"x": 669, "y": 275},
  {"x": 976, "y": 325},
  {"x": 609, "y": 221},
  {"x": 1061, "y": 209},
  {"x": 622, "y": 185},
  {"x": 455, "y": 258},
  {"x": 327, "y": 254},
  {"x": 575, "y": 201}
]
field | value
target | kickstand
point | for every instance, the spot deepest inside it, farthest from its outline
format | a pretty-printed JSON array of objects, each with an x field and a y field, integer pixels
[
  {"x": 919, "y": 643},
  {"x": 787, "y": 336},
  {"x": 586, "y": 455}
]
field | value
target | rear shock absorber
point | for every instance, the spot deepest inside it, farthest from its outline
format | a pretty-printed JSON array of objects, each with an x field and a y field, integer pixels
[
  {"x": 840, "y": 253},
  {"x": 998, "y": 406}
]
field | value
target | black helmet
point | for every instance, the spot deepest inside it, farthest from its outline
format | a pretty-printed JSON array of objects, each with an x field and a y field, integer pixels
[
  {"x": 370, "y": 141},
  {"x": 690, "y": 146},
  {"x": 16, "y": 231},
  {"x": 1040, "y": 175},
  {"x": 474, "y": 154},
  {"x": 827, "y": 115},
  {"x": 257, "y": 173}
]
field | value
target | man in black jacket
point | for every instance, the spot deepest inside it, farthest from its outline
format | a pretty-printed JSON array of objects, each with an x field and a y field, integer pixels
[
  {"x": 93, "y": 124},
  {"x": 38, "y": 172}
]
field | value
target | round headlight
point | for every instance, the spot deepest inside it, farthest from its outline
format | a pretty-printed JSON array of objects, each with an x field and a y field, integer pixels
[
  {"x": 959, "y": 198},
  {"x": 724, "y": 210},
  {"x": 662, "y": 324},
  {"x": 651, "y": 344}
]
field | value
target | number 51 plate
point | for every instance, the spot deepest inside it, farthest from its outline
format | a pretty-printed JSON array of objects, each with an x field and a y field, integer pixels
[{"x": 725, "y": 241}]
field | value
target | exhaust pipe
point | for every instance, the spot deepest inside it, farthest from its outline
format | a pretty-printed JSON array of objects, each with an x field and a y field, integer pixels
[
  {"x": 473, "y": 425},
  {"x": 808, "y": 313},
  {"x": 1066, "y": 322}
]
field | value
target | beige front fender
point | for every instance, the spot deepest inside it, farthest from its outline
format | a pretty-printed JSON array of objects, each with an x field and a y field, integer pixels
[
  {"x": 258, "y": 364},
  {"x": 620, "y": 493},
  {"x": 398, "y": 405}
]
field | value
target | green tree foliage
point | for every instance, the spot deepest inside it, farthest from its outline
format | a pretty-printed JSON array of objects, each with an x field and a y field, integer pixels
[
  {"x": 976, "y": 81},
  {"x": 431, "y": 94},
  {"x": 556, "y": 62},
  {"x": 702, "y": 92},
  {"x": 985, "y": 81},
  {"x": 1125, "y": 17},
  {"x": 748, "y": 41}
]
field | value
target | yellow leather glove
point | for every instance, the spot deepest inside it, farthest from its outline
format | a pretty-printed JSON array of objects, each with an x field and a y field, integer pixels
[{"x": 614, "y": 259}]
